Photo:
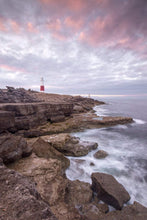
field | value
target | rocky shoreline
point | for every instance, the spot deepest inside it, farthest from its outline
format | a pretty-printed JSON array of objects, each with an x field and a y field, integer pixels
[{"x": 34, "y": 142}]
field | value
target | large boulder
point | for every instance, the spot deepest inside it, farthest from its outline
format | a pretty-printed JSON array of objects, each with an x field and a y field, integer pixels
[
  {"x": 13, "y": 148},
  {"x": 109, "y": 190},
  {"x": 19, "y": 198},
  {"x": 71, "y": 146},
  {"x": 45, "y": 150},
  {"x": 79, "y": 149}
]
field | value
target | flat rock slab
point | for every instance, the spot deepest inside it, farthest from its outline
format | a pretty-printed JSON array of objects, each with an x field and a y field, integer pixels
[{"x": 109, "y": 190}]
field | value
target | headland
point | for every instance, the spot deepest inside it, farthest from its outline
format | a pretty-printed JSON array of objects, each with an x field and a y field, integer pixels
[{"x": 34, "y": 142}]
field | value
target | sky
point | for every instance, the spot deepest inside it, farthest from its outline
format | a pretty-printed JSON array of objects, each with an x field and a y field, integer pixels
[{"x": 77, "y": 46}]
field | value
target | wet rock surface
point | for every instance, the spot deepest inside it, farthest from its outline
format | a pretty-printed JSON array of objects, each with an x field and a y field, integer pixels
[
  {"x": 109, "y": 190},
  {"x": 100, "y": 154},
  {"x": 19, "y": 198},
  {"x": 71, "y": 146}
]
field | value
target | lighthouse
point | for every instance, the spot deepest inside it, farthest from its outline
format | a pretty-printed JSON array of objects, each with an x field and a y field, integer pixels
[{"x": 42, "y": 85}]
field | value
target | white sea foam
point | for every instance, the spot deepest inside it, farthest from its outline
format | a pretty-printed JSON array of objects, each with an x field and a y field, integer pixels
[
  {"x": 101, "y": 111},
  {"x": 121, "y": 126},
  {"x": 123, "y": 161},
  {"x": 126, "y": 146},
  {"x": 140, "y": 122}
]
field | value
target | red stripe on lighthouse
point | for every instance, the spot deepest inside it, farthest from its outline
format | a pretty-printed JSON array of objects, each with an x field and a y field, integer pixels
[{"x": 42, "y": 88}]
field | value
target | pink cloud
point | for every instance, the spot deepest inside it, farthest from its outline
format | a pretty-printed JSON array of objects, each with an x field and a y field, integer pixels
[
  {"x": 59, "y": 36},
  {"x": 54, "y": 25},
  {"x": 75, "y": 24},
  {"x": 75, "y": 5},
  {"x": 2, "y": 25},
  {"x": 11, "y": 68},
  {"x": 31, "y": 28},
  {"x": 14, "y": 26}
]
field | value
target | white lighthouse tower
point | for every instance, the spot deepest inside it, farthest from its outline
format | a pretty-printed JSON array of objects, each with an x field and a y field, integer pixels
[{"x": 42, "y": 89}]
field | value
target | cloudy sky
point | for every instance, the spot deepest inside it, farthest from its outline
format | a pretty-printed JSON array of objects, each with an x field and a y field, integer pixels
[{"x": 78, "y": 46}]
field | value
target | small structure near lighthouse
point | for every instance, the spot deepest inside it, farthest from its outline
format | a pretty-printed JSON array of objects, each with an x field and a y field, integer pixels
[{"x": 42, "y": 89}]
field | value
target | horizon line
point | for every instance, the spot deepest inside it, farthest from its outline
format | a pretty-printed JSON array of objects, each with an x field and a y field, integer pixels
[{"x": 114, "y": 95}]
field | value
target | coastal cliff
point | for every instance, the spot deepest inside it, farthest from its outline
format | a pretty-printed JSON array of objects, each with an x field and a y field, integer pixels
[{"x": 33, "y": 182}]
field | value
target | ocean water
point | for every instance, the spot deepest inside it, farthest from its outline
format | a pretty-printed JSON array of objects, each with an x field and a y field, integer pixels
[{"x": 125, "y": 144}]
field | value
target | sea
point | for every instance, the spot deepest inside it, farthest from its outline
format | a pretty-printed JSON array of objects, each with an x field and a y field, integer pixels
[{"x": 125, "y": 144}]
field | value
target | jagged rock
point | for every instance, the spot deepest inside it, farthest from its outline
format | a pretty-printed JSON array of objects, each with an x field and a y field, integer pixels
[
  {"x": 12, "y": 95},
  {"x": 100, "y": 154},
  {"x": 13, "y": 148},
  {"x": 78, "y": 193},
  {"x": 92, "y": 211},
  {"x": 45, "y": 150},
  {"x": 71, "y": 146},
  {"x": 64, "y": 212},
  {"x": 109, "y": 190},
  {"x": 78, "y": 109},
  {"x": 80, "y": 149},
  {"x": 51, "y": 185},
  {"x": 47, "y": 173},
  {"x": 57, "y": 140},
  {"x": 130, "y": 212},
  {"x": 19, "y": 198}
]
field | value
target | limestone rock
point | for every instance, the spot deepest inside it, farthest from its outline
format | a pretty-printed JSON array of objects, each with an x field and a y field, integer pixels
[
  {"x": 100, "y": 154},
  {"x": 64, "y": 212},
  {"x": 45, "y": 150},
  {"x": 19, "y": 198},
  {"x": 82, "y": 148},
  {"x": 7, "y": 121},
  {"x": 57, "y": 140},
  {"x": 12, "y": 95},
  {"x": 24, "y": 116},
  {"x": 78, "y": 193},
  {"x": 78, "y": 109},
  {"x": 13, "y": 148},
  {"x": 109, "y": 190},
  {"x": 90, "y": 212},
  {"x": 71, "y": 146},
  {"x": 130, "y": 212},
  {"x": 47, "y": 174}
]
